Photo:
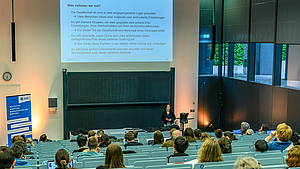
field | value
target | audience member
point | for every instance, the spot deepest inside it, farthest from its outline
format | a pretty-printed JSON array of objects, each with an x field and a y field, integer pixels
[
  {"x": 244, "y": 126},
  {"x": 180, "y": 145},
  {"x": 7, "y": 158},
  {"x": 19, "y": 148},
  {"x": 225, "y": 145},
  {"x": 295, "y": 137},
  {"x": 204, "y": 136},
  {"x": 261, "y": 145},
  {"x": 189, "y": 135},
  {"x": 129, "y": 137},
  {"x": 81, "y": 142},
  {"x": 17, "y": 138},
  {"x": 218, "y": 133},
  {"x": 93, "y": 150},
  {"x": 283, "y": 133},
  {"x": 158, "y": 137},
  {"x": 62, "y": 158},
  {"x": 264, "y": 128},
  {"x": 247, "y": 163},
  {"x": 293, "y": 157},
  {"x": 249, "y": 132},
  {"x": 170, "y": 143},
  {"x": 197, "y": 134},
  {"x": 99, "y": 133},
  {"x": 27, "y": 140},
  {"x": 44, "y": 138},
  {"x": 229, "y": 135},
  {"x": 135, "y": 133},
  {"x": 210, "y": 151},
  {"x": 113, "y": 157},
  {"x": 91, "y": 133},
  {"x": 104, "y": 140}
]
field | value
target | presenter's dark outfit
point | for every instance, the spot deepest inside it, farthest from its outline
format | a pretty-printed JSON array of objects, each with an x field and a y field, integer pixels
[{"x": 171, "y": 116}]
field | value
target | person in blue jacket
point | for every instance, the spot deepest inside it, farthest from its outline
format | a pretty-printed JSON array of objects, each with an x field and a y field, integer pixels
[
  {"x": 283, "y": 133},
  {"x": 19, "y": 148}
]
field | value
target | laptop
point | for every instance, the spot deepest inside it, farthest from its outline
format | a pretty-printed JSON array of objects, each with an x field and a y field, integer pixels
[{"x": 52, "y": 165}]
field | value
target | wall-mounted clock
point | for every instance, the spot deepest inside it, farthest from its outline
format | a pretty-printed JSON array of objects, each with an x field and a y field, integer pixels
[{"x": 7, "y": 76}]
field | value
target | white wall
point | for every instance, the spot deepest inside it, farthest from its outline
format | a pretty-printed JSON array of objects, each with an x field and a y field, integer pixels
[{"x": 38, "y": 69}]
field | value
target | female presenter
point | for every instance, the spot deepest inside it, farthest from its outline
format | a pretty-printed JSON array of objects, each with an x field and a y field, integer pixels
[{"x": 168, "y": 116}]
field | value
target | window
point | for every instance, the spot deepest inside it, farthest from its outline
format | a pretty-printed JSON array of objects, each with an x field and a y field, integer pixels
[
  {"x": 207, "y": 66},
  {"x": 240, "y": 59},
  {"x": 225, "y": 59},
  {"x": 264, "y": 62},
  {"x": 290, "y": 66}
]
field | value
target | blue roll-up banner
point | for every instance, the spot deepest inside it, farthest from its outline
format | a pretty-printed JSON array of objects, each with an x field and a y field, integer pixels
[{"x": 18, "y": 110}]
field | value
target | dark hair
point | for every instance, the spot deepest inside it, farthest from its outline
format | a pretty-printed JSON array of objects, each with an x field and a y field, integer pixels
[
  {"x": 225, "y": 145},
  {"x": 189, "y": 135},
  {"x": 230, "y": 135},
  {"x": 261, "y": 145},
  {"x": 43, "y": 137},
  {"x": 91, "y": 133},
  {"x": 297, "y": 143},
  {"x": 62, "y": 158},
  {"x": 181, "y": 144},
  {"x": 265, "y": 127},
  {"x": 104, "y": 138},
  {"x": 92, "y": 142},
  {"x": 24, "y": 137},
  {"x": 129, "y": 136},
  {"x": 19, "y": 148},
  {"x": 158, "y": 137},
  {"x": 7, "y": 157},
  {"x": 100, "y": 132},
  {"x": 218, "y": 133},
  {"x": 295, "y": 137},
  {"x": 17, "y": 138},
  {"x": 135, "y": 132},
  {"x": 197, "y": 133},
  {"x": 81, "y": 140}
]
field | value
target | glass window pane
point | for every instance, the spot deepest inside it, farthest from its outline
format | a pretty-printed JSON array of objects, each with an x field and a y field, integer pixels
[
  {"x": 290, "y": 66},
  {"x": 264, "y": 62},
  {"x": 207, "y": 66},
  {"x": 225, "y": 59},
  {"x": 240, "y": 61}
]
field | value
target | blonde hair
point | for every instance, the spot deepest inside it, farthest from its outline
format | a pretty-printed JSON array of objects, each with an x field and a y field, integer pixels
[
  {"x": 204, "y": 136},
  {"x": 284, "y": 132},
  {"x": 114, "y": 156},
  {"x": 210, "y": 151},
  {"x": 293, "y": 157},
  {"x": 247, "y": 163}
]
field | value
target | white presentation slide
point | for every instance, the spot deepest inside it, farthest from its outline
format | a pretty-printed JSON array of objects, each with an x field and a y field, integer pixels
[{"x": 116, "y": 30}]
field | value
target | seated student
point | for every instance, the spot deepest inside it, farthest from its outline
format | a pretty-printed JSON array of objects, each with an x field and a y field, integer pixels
[
  {"x": 264, "y": 128},
  {"x": 204, "y": 136},
  {"x": 135, "y": 133},
  {"x": 23, "y": 138},
  {"x": 7, "y": 158},
  {"x": 218, "y": 133},
  {"x": 189, "y": 135},
  {"x": 249, "y": 132},
  {"x": 244, "y": 127},
  {"x": 27, "y": 140},
  {"x": 44, "y": 138},
  {"x": 104, "y": 141},
  {"x": 225, "y": 145},
  {"x": 197, "y": 134},
  {"x": 180, "y": 145},
  {"x": 293, "y": 157},
  {"x": 229, "y": 135},
  {"x": 62, "y": 158},
  {"x": 113, "y": 157},
  {"x": 91, "y": 133},
  {"x": 246, "y": 163},
  {"x": 99, "y": 134},
  {"x": 295, "y": 137},
  {"x": 210, "y": 151},
  {"x": 170, "y": 143},
  {"x": 81, "y": 142},
  {"x": 19, "y": 148},
  {"x": 93, "y": 150},
  {"x": 261, "y": 145},
  {"x": 129, "y": 137},
  {"x": 283, "y": 133},
  {"x": 158, "y": 137}
]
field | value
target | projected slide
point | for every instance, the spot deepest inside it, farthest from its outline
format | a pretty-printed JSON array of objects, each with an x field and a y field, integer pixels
[{"x": 116, "y": 30}]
